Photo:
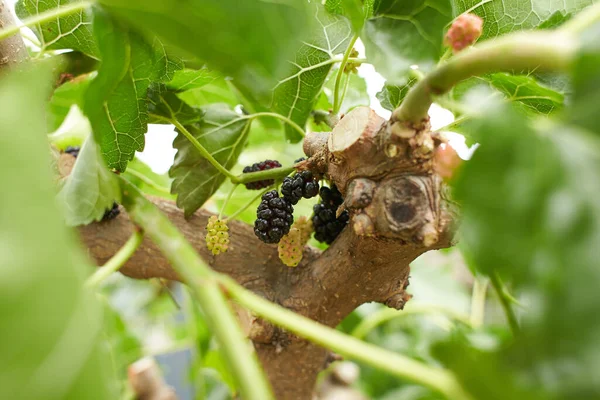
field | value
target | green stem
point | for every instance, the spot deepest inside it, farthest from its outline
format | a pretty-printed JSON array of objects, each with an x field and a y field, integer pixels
[
  {"x": 505, "y": 302},
  {"x": 344, "y": 90},
  {"x": 274, "y": 173},
  {"x": 336, "y": 90},
  {"x": 205, "y": 153},
  {"x": 387, "y": 314},
  {"x": 416, "y": 74},
  {"x": 245, "y": 206},
  {"x": 288, "y": 121},
  {"x": 395, "y": 364},
  {"x": 117, "y": 260},
  {"x": 45, "y": 17},
  {"x": 582, "y": 20},
  {"x": 478, "y": 297},
  {"x": 242, "y": 178},
  {"x": 235, "y": 185},
  {"x": 147, "y": 181},
  {"x": 204, "y": 283},
  {"x": 543, "y": 51}
]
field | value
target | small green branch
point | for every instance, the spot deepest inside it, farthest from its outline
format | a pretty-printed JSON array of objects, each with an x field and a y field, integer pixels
[
  {"x": 147, "y": 181},
  {"x": 204, "y": 283},
  {"x": 543, "y": 51},
  {"x": 395, "y": 364},
  {"x": 505, "y": 302},
  {"x": 45, "y": 17},
  {"x": 387, "y": 314},
  {"x": 203, "y": 152},
  {"x": 336, "y": 91},
  {"x": 274, "y": 173},
  {"x": 235, "y": 185},
  {"x": 345, "y": 89},
  {"x": 248, "y": 204},
  {"x": 478, "y": 298},
  {"x": 116, "y": 261},
  {"x": 288, "y": 121}
]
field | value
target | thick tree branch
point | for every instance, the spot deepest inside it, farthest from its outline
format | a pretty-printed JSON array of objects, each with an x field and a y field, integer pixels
[
  {"x": 12, "y": 49},
  {"x": 397, "y": 213}
]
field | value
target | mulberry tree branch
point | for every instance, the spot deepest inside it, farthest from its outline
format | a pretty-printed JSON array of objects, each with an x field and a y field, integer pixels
[
  {"x": 543, "y": 51},
  {"x": 12, "y": 48}
]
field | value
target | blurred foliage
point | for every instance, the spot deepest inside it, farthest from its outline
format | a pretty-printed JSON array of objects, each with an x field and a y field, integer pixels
[
  {"x": 51, "y": 330},
  {"x": 529, "y": 195}
]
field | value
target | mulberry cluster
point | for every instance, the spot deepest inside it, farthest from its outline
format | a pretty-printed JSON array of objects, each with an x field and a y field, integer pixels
[
  {"x": 292, "y": 245},
  {"x": 73, "y": 150},
  {"x": 111, "y": 213},
  {"x": 217, "y": 235},
  {"x": 327, "y": 226},
  {"x": 274, "y": 217},
  {"x": 261, "y": 166},
  {"x": 302, "y": 184}
]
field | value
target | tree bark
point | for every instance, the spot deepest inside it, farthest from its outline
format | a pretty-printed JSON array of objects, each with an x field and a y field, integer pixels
[
  {"x": 398, "y": 212},
  {"x": 12, "y": 49}
]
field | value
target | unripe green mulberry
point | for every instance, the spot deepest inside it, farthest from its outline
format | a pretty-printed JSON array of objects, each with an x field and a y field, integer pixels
[
  {"x": 290, "y": 248},
  {"x": 292, "y": 245},
  {"x": 217, "y": 235},
  {"x": 305, "y": 226}
]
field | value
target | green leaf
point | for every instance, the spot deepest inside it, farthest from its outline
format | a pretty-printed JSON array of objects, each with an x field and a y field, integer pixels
[
  {"x": 51, "y": 326},
  {"x": 187, "y": 79},
  {"x": 72, "y": 31},
  {"x": 524, "y": 90},
  {"x": 355, "y": 10},
  {"x": 504, "y": 16},
  {"x": 164, "y": 105},
  {"x": 295, "y": 94},
  {"x": 247, "y": 40},
  {"x": 391, "y": 96},
  {"x": 218, "y": 91},
  {"x": 530, "y": 212},
  {"x": 586, "y": 82},
  {"x": 527, "y": 91},
  {"x": 152, "y": 183},
  {"x": 73, "y": 132},
  {"x": 116, "y": 101},
  {"x": 223, "y": 133},
  {"x": 402, "y": 34},
  {"x": 64, "y": 97},
  {"x": 90, "y": 189}
]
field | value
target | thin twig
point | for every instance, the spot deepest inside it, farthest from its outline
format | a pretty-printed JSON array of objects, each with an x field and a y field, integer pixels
[
  {"x": 336, "y": 95},
  {"x": 505, "y": 302},
  {"x": 117, "y": 261}
]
